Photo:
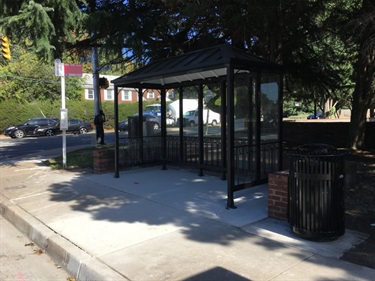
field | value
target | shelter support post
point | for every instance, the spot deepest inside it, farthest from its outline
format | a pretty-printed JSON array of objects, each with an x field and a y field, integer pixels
[
  {"x": 223, "y": 129},
  {"x": 140, "y": 123},
  {"x": 258, "y": 123},
  {"x": 280, "y": 164},
  {"x": 200, "y": 128},
  {"x": 163, "y": 129},
  {"x": 180, "y": 125},
  {"x": 117, "y": 174},
  {"x": 230, "y": 143}
]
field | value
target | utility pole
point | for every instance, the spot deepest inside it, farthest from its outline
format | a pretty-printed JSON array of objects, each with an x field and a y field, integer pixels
[{"x": 95, "y": 80}]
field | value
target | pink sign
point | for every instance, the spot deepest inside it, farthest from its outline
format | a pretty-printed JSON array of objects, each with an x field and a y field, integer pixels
[{"x": 72, "y": 69}]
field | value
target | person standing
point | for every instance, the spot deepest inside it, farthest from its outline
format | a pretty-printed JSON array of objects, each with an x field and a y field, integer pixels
[{"x": 99, "y": 126}]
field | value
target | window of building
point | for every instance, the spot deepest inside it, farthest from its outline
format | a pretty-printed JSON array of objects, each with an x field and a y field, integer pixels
[
  {"x": 89, "y": 94},
  {"x": 126, "y": 95},
  {"x": 108, "y": 95},
  {"x": 170, "y": 95},
  {"x": 150, "y": 95}
]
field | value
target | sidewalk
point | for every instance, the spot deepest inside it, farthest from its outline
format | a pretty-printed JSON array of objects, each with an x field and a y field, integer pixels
[{"x": 151, "y": 224}]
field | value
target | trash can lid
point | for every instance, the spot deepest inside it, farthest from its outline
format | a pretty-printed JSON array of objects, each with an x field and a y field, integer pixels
[{"x": 316, "y": 149}]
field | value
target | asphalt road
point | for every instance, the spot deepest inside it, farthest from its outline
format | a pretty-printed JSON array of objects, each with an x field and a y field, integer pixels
[{"x": 22, "y": 149}]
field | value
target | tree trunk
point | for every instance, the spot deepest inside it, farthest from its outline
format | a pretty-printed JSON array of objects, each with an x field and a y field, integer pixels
[{"x": 363, "y": 95}]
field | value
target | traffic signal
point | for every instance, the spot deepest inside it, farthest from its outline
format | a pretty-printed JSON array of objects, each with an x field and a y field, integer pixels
[
  {"x": 5, "y": 48},
  {"x": 103, "y": 83}
]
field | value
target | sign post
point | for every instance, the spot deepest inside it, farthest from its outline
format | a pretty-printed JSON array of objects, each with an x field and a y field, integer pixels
[{"x": 63, "y": 70}]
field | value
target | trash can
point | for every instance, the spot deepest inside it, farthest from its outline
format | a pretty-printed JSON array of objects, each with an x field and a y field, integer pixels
[
  {"x": 133, "y": 126},
  {"x": 316, "y": 192}
]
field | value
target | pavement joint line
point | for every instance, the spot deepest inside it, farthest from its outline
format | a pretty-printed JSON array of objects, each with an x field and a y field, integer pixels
[{"x": 32, "y": 169}]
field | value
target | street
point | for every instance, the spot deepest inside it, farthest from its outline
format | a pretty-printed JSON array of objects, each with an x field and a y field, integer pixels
[
  {"x": 21, "y": 260},
  {"x": 25, "y": 148}
]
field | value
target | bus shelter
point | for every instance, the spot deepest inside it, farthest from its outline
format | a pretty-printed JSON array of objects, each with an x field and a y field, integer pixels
[{"x": 245, "y": 91}]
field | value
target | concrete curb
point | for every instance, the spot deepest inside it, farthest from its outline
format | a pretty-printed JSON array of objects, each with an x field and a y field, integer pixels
[{"x": 77, "y": 262}]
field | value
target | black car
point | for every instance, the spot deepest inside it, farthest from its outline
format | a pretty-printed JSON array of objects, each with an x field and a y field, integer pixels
[
  {"x": 123, "y": 125},
  {"x": 155, "y": 120},
  {"x": 33, "y": 127},
  {"x": 147, "y": 117},
  {"x": 76, "y": 126},
  {"x": 47, "y": 127}
]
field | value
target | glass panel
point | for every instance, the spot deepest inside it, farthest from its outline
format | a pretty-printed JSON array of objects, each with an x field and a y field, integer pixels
[
  {"x": 211, "y": 125},
  {"x": 244, "y": 128},
  {"x": 269, "y": 108},
  {"x": 190, "y": 103},
  {"x": 211, "y": 110},
  {"x": 269, "y": 123}
]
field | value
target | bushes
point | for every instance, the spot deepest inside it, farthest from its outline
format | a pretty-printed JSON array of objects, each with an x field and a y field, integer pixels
[{"x": 13, "y": 112}]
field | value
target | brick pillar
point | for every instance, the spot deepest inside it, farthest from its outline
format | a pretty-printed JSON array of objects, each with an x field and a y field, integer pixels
[
  {"x": 278, "y": 195},
  {"x": 104, "y": 160}
]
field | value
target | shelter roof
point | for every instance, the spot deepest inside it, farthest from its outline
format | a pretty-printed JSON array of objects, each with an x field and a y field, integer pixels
[{"x": 197, "y": 65}]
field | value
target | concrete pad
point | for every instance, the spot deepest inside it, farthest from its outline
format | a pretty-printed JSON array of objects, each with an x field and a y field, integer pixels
[
  {"x": 115, "y": 228},
  {"x": 280, "y": 231},
  {"x": 204, "y": 196},
  {"x": 163, "y": 225},
  {"x": 200, "y": 250},
  {"x": 322, "y": 268}
]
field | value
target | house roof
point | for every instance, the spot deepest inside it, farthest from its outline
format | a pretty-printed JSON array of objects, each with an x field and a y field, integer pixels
[{"x": 197, "y": 65}]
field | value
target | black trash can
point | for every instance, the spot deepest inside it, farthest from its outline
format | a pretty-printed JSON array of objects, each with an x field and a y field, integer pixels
[
  {"x": 133, "y": 126},
  {"x": 316, "y": 192}
]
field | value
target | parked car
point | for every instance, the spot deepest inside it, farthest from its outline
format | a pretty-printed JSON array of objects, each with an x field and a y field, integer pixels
[
  {"x": 123, "y": 125},
  {"x": 147, "y": 117},
  {"x": 154, "y": 109},
  {"x": 47, "y": 127},
  {"x": 318, "y": 115},
  {"x": 33, "y": 127},
  {"x": 77, "y": 126}
]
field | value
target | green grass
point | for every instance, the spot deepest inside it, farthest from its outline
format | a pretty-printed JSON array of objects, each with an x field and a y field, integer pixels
[{"x": 78, "y": 159}]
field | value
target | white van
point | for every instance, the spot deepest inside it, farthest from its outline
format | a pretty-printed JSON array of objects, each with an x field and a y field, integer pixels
[
  {"x": 191, "y": 117},
  {"x": 173, "y": 109}
]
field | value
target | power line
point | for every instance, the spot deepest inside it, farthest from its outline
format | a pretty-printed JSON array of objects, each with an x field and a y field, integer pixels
[{"x": 28, "y": 79}]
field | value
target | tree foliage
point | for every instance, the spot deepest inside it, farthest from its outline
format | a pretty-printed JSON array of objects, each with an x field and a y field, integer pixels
[
  {"x": 326, "y": 46},
  {"x": 28, "y": 80},
  {"x": 44, "y": 26}
]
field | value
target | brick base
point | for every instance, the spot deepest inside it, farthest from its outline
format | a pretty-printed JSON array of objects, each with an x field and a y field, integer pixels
[
  {"x": 278, "y": 195},
  {"x": 104, "y": 160}
]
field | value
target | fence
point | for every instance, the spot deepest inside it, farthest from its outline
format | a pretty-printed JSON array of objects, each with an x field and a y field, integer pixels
[{"x": 250, "y": 164}]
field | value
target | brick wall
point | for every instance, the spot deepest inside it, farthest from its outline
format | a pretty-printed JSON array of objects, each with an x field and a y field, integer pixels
[{"x": 278, "y": 195}]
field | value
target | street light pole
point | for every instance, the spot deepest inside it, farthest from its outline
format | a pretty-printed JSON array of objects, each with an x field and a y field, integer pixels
[{"x": 95, "y": 80}]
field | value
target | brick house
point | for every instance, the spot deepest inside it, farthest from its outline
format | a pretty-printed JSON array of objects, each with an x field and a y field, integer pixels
[{"x": 127, "y": 95}]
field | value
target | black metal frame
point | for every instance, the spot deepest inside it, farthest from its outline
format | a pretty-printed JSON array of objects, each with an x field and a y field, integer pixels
[{"x": 212, "y": 65}]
